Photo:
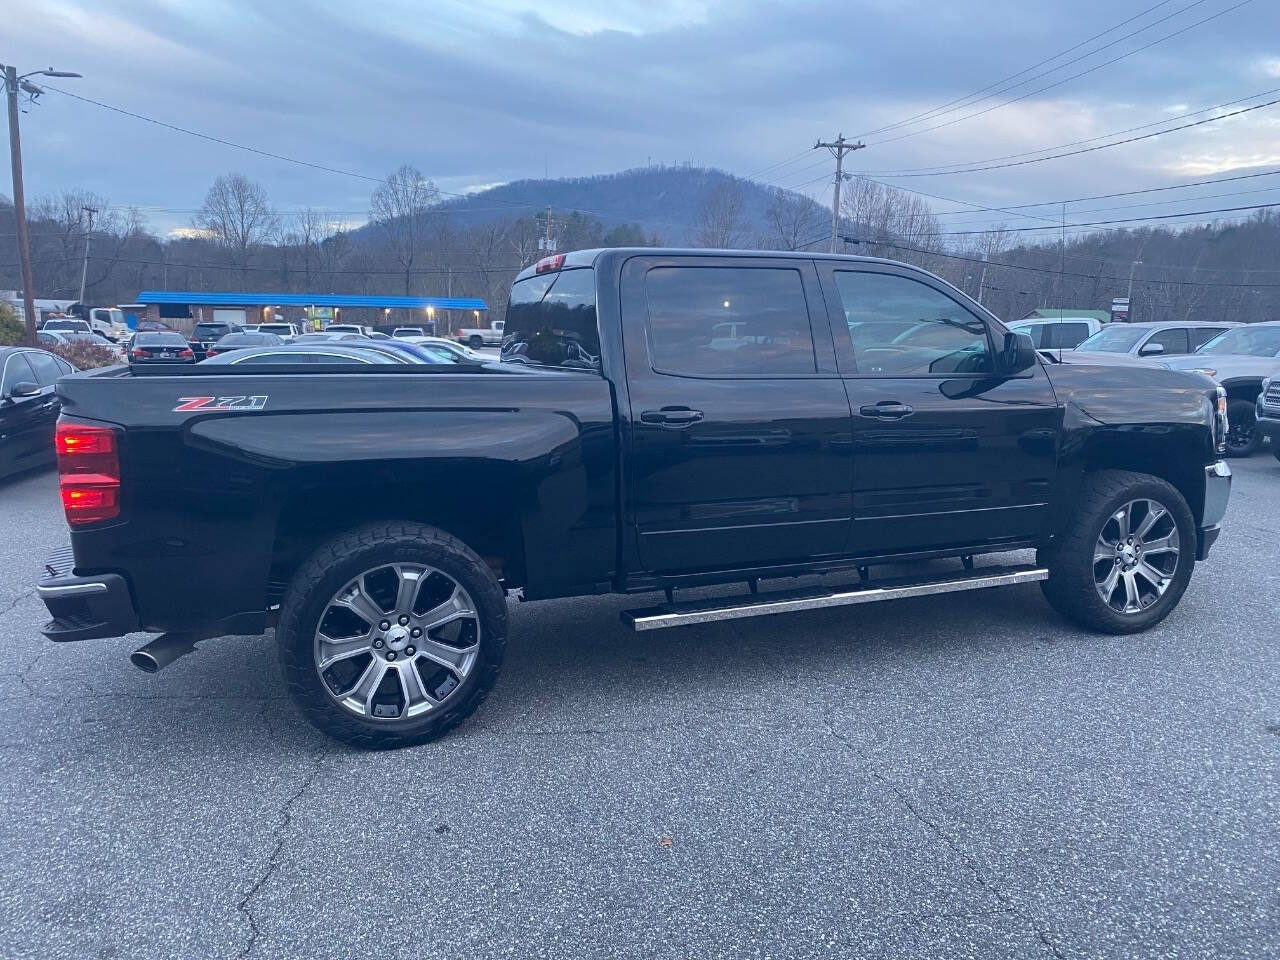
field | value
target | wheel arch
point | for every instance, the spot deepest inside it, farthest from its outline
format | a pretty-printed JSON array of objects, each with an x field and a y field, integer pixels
[
  {"x": 471, "y": 501},
  {"x": 1243, "y": 388},
  {"x": 1178, "y": 458}
]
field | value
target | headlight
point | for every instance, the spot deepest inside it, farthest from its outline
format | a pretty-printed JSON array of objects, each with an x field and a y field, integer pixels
[
  {"x": 1207, "y": 371},
  {"x": 1220, "y": 421}
]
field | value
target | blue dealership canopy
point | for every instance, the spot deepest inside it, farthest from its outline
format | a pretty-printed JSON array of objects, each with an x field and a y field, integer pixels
[{"x": 206, "y": 298}]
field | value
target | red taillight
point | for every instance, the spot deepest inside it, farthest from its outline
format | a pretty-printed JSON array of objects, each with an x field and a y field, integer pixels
[
  {"x": 211, "y": 352},
  {"x": 547, "y": 264},
  {"x": 88, "y": 472},
  {"x": 140, "y": 354},
  {"x": 186, "y": 352}
]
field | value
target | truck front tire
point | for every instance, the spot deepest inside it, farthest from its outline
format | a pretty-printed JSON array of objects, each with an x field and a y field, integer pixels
[
  {"x": 475, "y": 342},
  {"x": 391, "y": 634},
  {"x": 1125, "y": 558}
]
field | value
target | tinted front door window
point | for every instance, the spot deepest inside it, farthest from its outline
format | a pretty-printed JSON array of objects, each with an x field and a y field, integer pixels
[
  {"x": 940, "y": 336},
  {"x": 1174, "y": 341}
]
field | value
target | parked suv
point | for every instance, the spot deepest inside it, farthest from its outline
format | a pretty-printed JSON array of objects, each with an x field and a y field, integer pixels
[
  {"x": 1239, "y": 360},
  {"x": 208, "y": 332}
]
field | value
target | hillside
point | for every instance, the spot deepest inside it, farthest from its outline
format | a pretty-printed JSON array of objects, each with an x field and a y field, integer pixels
[{"x": 665, "y": 201}]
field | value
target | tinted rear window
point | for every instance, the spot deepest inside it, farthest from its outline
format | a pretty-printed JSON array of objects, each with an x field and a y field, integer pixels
[
  {"x": 248, "y": 340},
  {"x": 728, "y": 321},
  {"x": 211, "y": 331},
  {"x": 159, "y": 340},
  {"x": 551, "y": 321}
]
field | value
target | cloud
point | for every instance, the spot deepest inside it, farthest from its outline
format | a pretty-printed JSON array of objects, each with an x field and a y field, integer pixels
[{"x": 477, "y": 93}]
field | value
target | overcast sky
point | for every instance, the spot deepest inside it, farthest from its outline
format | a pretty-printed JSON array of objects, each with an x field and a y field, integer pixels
[{"x": 476, "y": 93}]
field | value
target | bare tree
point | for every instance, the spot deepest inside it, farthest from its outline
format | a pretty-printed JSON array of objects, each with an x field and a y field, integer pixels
[
  {"x": 794, "y": 221},
  {"x": 401, "y": 207},
  {"x": 722, "y": 222},
  {"x": 237, "y": 215}
]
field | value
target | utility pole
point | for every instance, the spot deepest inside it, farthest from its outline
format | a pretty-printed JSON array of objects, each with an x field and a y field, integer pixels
[
  {"x": 12, "y": 85},
  {"x": 88, "y": 237},
  {"x": 548, "y": 247},
  {"x": 982, "y": 280},
  {"x": 20, "y": 204},
  {"x": 838, "y": 149},
  {"x": 1129, "y": 295}
]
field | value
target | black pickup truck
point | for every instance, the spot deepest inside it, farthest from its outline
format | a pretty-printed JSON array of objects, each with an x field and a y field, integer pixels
[{"x": 660, "y": 420}]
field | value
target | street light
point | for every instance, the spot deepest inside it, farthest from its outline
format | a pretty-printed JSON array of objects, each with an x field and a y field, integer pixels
[{"x": 13, "y": 83}]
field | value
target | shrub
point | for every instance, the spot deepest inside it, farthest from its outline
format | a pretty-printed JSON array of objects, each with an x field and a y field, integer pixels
[
  {"x": 86, "y": 356},
  {"x": 12, "y": 331}
]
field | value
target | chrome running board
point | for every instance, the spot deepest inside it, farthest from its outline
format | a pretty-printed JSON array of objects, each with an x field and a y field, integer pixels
[{"x": 683, "y": 613}]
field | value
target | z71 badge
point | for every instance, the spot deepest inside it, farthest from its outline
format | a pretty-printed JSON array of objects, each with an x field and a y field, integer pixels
[{"x": 188, "y": 404}]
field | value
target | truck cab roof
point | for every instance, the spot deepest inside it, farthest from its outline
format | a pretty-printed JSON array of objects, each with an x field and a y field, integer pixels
[{"x": 592, "y": 257}]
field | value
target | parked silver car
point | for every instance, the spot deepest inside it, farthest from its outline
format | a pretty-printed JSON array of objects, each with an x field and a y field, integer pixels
[{"x": 1157, "y": 339}]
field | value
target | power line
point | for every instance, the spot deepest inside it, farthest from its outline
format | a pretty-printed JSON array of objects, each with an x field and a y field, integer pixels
[
  {"x": 1086, "y": 276},
  {"x": 1074, "y": 76},
  {"x": 1104, "y": 223},
  {"x": 1102, "y": 196},
  {"x": 242, "y": 146},
  {"x": 1075, "y": 143},
  {"x": 1075, "y": 153},
  {"x": 958, "y": 103},
  {"x": 1134, "y": 206}
]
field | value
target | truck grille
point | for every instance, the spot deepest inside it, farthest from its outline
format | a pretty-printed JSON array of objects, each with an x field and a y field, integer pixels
[{"x": 1273, "y": 394}]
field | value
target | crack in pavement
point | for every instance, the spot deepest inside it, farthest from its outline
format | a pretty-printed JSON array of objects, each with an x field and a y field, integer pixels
[
  {"x": 245, "y": 906},
  {"x": 17, "y": 600},
  {"x": 970, "y": 862}
]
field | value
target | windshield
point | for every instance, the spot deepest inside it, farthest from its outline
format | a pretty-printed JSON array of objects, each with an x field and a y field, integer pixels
[
  {"x": 1113, "y": 339},
  {"x": 1245, "y": 341},
  {"x": 211, "y": 331},
  {"x": 551, "y": 321}
]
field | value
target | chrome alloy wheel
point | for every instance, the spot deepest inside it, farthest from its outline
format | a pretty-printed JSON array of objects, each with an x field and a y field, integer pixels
[
  {"x": 1136, "y": 556},
  {"x": 397, "y": 641}
]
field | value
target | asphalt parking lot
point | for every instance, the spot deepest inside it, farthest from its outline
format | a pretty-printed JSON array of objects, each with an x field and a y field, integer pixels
[{"x": 959, "y": 776}]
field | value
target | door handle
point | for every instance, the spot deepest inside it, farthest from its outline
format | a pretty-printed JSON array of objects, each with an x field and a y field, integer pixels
[
  {"x": 672, "y": 416},
  {"x": 887, "y": 410}
]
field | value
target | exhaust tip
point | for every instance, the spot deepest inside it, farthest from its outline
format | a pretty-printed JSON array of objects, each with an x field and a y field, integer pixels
[{"x": 144, "y": 661}]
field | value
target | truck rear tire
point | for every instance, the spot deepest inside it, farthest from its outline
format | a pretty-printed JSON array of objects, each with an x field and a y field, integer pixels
[
  {"x": 1244, "y": 439},
  {"x": 391, "y": 634},
  {"x": 1125, "y": 558}
]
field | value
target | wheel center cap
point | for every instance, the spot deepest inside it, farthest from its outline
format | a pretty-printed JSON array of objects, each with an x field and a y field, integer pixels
[
  {"x": 1128, "y": 553},
  {"x": 397, "y": 638}
]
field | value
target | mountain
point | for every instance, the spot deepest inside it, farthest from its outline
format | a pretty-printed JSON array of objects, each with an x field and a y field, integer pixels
[{"x": 664, "y": 201}]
